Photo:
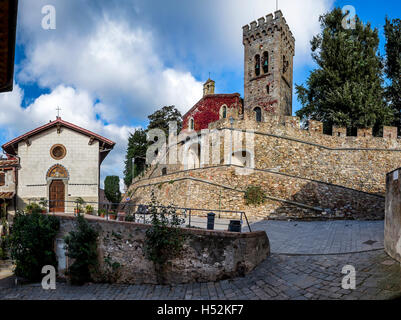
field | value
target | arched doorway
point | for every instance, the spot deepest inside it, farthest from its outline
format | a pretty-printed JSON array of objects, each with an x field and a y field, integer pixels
[
  {"x": 57, "y": 177},
  {"x": 57, "y": 196}
]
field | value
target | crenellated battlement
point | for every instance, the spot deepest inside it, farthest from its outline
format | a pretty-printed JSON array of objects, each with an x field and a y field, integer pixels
[
  {"x": 268, "y": 25},
  {"x": 292, "y": 127}
]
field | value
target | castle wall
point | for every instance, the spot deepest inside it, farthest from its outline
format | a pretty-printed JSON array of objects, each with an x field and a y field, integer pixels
[{"x": 223, "y": 187}]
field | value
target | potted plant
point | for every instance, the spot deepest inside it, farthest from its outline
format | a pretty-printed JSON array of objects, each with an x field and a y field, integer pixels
[
  {"x": 89, "y": 209},
  {"x": 79, "y": 201},
  {"x": 102, "y": 213},
  {"x": 112, "y": 215},
  {"x": 43, "y": 203}
]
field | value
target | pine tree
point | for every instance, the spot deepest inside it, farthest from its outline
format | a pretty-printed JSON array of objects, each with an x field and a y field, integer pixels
[
  {"x": 347, "y": 87},
  {"x": 392, "y": 31}
]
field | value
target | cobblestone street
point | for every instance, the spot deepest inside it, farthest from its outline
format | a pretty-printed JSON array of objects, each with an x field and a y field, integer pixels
[{"x": 297, "y": 275}]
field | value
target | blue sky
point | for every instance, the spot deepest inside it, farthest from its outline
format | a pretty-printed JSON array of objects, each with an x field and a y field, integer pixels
[{"x": 110, "y": 63}]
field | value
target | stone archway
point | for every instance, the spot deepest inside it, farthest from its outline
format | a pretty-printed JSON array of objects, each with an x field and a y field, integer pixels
[{"x": 57, "y": 183}]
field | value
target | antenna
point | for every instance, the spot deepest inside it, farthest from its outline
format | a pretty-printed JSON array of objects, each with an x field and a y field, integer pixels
[{"x": 58, "y": 111}]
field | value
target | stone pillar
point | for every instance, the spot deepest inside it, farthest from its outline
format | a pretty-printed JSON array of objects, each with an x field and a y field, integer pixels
[
  {"x": 315, "y": 126},
  {"x": 365, "y": 133},
  {"x": 390, "y": 132},
  {"x": 292, "y": 122},
  {"x": 339, "y": 131},
  {"x": 392, "y": 225}
]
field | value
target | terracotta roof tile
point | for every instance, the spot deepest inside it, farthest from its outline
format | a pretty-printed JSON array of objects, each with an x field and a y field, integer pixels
[{"x": 6, "y": 195}]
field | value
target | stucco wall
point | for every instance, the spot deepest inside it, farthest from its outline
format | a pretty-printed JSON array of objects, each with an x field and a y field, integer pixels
[
  {"x": 81, "y": 161},
  {"x": 392, "y": 230},
  {"x": 206, "y": 255}
]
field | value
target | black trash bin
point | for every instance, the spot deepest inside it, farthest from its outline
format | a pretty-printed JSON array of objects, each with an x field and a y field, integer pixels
[
  {"x": 234, "y": 226},
  {"x": 210, "y": 220}
]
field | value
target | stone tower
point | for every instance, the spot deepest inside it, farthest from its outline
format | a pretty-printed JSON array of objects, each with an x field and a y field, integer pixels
[
  {"x": 268, "y": 76},
  {"x": 208, "y": 87}
]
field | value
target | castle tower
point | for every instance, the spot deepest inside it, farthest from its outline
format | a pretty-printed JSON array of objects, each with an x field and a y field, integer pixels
[
  {"x": 208, "y": 87},
  {"x": 269, "y": 50}
]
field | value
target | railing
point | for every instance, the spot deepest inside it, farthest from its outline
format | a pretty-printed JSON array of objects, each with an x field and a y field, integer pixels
[{"x": 192, "y": 217}]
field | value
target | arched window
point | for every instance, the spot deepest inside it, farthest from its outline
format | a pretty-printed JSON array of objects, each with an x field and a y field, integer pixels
[
  {"x": 258, "y": 114},
  {"x": 257, "y": 65},
  {"x": 164, "y": 171},
  {"x": 268, "y": 89},
  {"x": 191, "y": 124},
  {"x": 265, "y": 62},
  {"x": 223, "y": 112}
]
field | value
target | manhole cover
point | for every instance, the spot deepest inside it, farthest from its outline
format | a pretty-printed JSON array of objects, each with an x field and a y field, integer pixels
[{"x": 369, "y": 242}]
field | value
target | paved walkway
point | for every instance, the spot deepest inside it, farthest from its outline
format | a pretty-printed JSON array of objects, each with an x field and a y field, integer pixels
[
  {"x": 304, "y": 272},
  {"x": 322, "y": 237}
]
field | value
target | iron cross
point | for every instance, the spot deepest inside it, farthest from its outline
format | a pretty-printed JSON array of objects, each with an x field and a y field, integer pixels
[{"x": 58, "y": 111}]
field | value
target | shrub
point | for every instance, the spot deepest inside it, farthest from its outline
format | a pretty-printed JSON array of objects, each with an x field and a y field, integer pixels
[
  {"x": 254, "y": 195},
  {"x": 81, "y": 246},
  {"x": 164, "y": 240},
  {"x": 32, "y": 243}
]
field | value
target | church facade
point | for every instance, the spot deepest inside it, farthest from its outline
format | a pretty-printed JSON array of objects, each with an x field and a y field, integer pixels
[{"x": 59, "y": 162}]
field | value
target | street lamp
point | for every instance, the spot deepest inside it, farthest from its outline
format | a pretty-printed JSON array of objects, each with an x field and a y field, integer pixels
[{"x": 231, "y": 139}]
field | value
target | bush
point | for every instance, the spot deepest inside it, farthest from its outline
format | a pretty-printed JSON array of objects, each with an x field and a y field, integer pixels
[
  {"x": 254, "y": 195},
  {"x": 81, "y": 246},
  {"x": 32, "y": 243},
  {"x": 164, "y": 240}
]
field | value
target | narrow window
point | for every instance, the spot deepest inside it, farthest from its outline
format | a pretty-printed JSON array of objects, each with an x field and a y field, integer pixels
[
  {"x": 224, "y": 113},
  {"x": 258, "y": 114},
  {"x": 265, "y": 62},
  {"x": 257, "y": 65},
  {"x": 191, "y": 124},
  {"x": 2, "y": 179},
  {"x": 164, "y": 171},
  {"x": 268, "y": 89}
]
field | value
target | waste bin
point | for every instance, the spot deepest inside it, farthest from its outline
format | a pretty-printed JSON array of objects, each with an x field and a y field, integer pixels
[
  {"x": 234, "y": 226},
  {"x": 210, "y": 220}
]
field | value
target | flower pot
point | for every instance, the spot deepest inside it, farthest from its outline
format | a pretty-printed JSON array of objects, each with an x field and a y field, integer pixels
[
  {"x": 102, "y": 215},
  {"x": 112, "y": 216},
  {"x": 121, "y": 216}
]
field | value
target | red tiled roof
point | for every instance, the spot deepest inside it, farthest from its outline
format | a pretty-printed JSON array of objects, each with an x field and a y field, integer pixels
[
  {"x": 8, "y": 163},
  {"x": 8, "y": 147},
  {"x": 6, "y": 195}
]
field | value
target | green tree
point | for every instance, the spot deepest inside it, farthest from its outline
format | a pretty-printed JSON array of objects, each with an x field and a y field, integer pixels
[
  {"x": 112, "y": 189},
  {"x": 81, "y": 246},
  {"x": 32, "y": 243},
  {"x": 392, "y": 31},
  {"x": 161, "y": 118},
  {"x": 137, "y": 145},
  {"x": 347, "y": 87}
]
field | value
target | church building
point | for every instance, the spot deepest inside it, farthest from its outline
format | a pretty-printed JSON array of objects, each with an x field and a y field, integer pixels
[{"x": 58, "y": 161}]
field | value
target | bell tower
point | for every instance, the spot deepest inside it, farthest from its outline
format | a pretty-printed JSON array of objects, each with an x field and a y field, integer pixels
[{"x": 268, "y": 76}]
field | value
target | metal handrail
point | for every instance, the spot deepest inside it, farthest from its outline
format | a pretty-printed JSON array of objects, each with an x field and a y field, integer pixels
[{"x": 119, "y": 207}]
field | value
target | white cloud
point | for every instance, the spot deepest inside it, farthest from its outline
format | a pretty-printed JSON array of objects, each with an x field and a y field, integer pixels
[
  {"x": 19, "y": 120},
  {"x": 117, "y": 61}
]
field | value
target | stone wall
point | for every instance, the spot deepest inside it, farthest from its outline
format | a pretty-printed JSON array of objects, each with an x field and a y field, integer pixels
[
  {"x": 223, "y": 187},
  {"x": 206, "y": 255},
  {"x": 392, "y": 229}
]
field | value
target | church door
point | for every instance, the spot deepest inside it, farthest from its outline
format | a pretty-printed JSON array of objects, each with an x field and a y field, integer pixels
[{"x": 57, "y": 196}]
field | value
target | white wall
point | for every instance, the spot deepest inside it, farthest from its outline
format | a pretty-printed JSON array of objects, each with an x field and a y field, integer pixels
[{"x": 81, "y": 161}]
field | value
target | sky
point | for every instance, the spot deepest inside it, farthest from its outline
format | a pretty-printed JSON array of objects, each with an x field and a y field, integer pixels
[{"x": 108, "y": 64}]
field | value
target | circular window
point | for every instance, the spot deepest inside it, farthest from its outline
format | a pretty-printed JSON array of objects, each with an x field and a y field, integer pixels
[{"x": 58, "y": 152}]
